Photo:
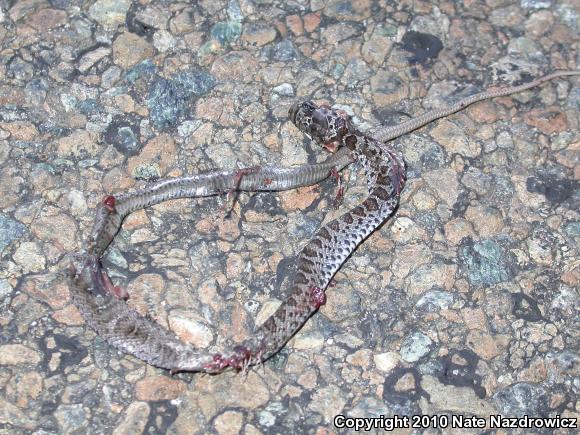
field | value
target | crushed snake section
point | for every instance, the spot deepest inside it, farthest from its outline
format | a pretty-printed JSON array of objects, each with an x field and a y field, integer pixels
[{"x": 103, "y": 305}]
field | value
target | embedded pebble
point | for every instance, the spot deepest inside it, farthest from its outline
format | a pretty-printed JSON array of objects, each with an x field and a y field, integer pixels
[
  {"x": 29, "y": 257},
  {"x": 77, "y": 202},
  {"x": 444, "y": 183},
  {"x": 462, "y": 400},
  {"x": 10, "y": 230},
  {"x": 135, "y": 419},
  {"x": 190, "y": 330},
  {"x": 5, "y": 289},
  {"x": 388, "y": 88},
  {"x": 387, "y": 361},
  {"x": 91, "y": 58},
  {"x": 229, "y": 423},
  {"x": 520, "y": 399},
  {"x": 415, "y": 347},
  {"x": 109, "y": 13},
  {"x": 71, "y": 418},
  {"x": 487, "y": 262},
  {"x": 16, "y": 354},
  {"x": 435, "y": 300},
  {"x": 484, "y": 345},
  {"x": 455, "y": 140},
  {"x": 129, "y": 49},
  {"x": 12, "y": 415},
  {"x": 163, "y": 41},
  {"x": 156, "y": 388},
  {"x": 328, "y": 402}
]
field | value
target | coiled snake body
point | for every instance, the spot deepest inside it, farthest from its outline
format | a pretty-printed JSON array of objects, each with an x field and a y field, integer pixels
[{"x": 102, "y": 304}]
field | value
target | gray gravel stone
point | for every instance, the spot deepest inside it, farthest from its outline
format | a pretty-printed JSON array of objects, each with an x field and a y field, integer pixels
[
  {"x": 435, "y": 300},
  {"x": 109, "y": 13},
  {"x": 522, "y": 399},
  {"x": 5, "y": 289},
  {"x": 10, "y": 230},
  {"x": 487, "y": 262},
  {"x": 170, "y": 100},
  {"x": 71, "y": 418},
  {"x": 536, "y": 4},
  {"x": 415, "y": 347}
]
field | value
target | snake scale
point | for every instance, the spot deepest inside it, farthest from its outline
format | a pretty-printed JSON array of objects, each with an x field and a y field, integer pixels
[{"x": 103, "y": 306}]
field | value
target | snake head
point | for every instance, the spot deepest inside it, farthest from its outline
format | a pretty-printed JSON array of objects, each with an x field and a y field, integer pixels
[{"x": 325, "y": 125}]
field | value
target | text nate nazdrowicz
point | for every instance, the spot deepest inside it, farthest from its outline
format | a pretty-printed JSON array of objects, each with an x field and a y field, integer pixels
[{"x": 453, "y": 421}]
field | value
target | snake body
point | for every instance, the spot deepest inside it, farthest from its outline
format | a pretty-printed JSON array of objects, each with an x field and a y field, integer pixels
[
  {"x": 98, "y": 300},
  {"x": 104, "y": 309}
]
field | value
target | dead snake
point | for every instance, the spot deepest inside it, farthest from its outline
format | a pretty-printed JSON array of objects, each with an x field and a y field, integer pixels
[{"x": 102, "y": 304}]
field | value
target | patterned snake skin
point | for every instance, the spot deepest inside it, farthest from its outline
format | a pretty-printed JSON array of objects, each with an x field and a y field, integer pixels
[{"x": 102, "y": 305}]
